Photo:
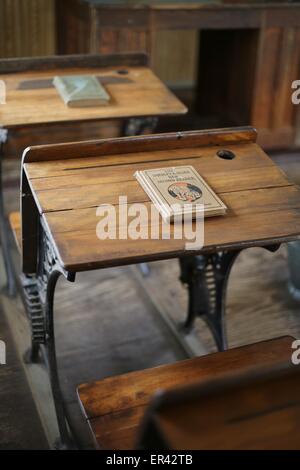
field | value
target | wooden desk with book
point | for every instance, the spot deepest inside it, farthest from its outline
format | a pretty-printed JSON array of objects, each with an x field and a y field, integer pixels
[
  {"x": 34, "y": 111},
  {"x": 63, "y": 185}
]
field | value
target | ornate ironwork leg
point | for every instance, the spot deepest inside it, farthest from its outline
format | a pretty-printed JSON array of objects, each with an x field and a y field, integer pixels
[
  {"x": 34, "y": 309},
  {"x": 39, "y": 301},
  {"x": 206, "y": 277},
  {"x": 66, "y": 441},
  {"x": 4, "y": 229}
]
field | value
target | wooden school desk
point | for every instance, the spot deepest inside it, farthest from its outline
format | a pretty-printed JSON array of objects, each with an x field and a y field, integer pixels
[
  {"x": 62, "y": 185},
  {"x": 138, "y": 98}
]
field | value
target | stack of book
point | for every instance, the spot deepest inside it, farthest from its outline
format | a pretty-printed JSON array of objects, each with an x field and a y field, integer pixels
[{"x": 180, "y": 191}]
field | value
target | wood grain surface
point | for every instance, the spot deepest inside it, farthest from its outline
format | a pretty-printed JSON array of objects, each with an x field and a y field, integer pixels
[
  {"x": 263, "y": 206},
  {"x": 134, "y": 91},
  {"x": 259, "y": 410},
  {"x": 115, "y": 406}
]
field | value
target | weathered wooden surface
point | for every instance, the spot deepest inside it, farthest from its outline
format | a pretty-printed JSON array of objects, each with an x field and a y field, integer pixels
[
  {"x": 263, "y": 206},
  {"x": 252, "y": 411},
  {"x": 114, "y": 406},
  {"x": 54, "y": 62},
  {"x": 31, "y": 99},
  {"x": 258, "y": 308}
]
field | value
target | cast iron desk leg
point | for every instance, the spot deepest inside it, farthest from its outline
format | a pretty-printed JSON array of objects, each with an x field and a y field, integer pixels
[
  {"x": 206, "y": 277},
  {"x": 4, "y": 228},
  {"x": 39, "y": 292}
]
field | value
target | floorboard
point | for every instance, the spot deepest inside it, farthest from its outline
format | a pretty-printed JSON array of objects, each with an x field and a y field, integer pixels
[{"x": 20, "y": 426}]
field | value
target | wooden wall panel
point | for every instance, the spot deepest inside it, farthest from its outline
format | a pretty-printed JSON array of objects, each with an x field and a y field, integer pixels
[
  {"x": 288, "y": 71},
  {"x": 27, "y": 28},
  {"x": 74, "y": 27},
  {"x": 174, "y": 56},
  {"x": 269, "y": 48},
  {"x": 278, "y": 66}
]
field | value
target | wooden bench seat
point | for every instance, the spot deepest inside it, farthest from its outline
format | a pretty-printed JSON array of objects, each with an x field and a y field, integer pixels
[
  {"x": 115, "y": 406},
  {"x": 256, "y": 410},
  {"x": 15, "y": 224}
]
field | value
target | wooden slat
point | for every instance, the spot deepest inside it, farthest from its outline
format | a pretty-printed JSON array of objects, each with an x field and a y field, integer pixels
[
  {"x": 253, "y": 411},
  {"x": 241, "y": 202},
  {"x": 94, "y": 166},
  {"x": 283, "y": 111},
  {"x": 198, "y": 16},
  {"x": 143, "y": 143},
  {"x": 108, "y": 192},
  {"x": 114, "y": 406},
  {"x": 110, "y": 168},
  {"x": 269, "y": 44},
  {"x": 143, "y": 94},
  {"x": 30, "y": 64},
  {"x": 82, "y": 250}
]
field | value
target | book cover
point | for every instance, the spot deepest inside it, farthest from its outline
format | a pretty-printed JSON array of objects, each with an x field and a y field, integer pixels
[
  {"x": 178, "y": 190},
  {"x": 81, "y": 90}
]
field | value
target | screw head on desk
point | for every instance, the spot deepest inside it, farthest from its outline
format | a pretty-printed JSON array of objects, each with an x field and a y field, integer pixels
[{"x": 226, "y": 154}]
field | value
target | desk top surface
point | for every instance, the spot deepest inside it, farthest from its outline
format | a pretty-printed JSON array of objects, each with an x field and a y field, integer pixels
[
  {"x": 263, "y": 206},
  {"x": 135, "y": 91}
]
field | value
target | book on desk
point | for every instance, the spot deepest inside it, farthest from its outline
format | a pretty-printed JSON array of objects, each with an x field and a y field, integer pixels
[
  {"x": 79, "y": 91},
  {"x": 178, "y": 191}
]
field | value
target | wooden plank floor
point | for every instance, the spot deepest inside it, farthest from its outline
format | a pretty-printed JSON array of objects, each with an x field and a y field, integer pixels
[
  {"x": 20, "y": 426},
  {"x": 104, "y": 326}
]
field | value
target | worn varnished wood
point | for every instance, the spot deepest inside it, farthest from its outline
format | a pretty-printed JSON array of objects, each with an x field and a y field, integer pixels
[
  {"x": 30, "y": 64},
  {"x": 156, "y": 142},
  {"x": 37, "y": 90},
  {"x": 115, "y": 406},
  {"x": 259, "y": 410},
  {"x": 33, "y": 102},
  {"x": 184, "y": 15},
  {"x": 137, "y": 93},
  {"x": 45, "y": 154},
  {"x": 263, "y": 206}
]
